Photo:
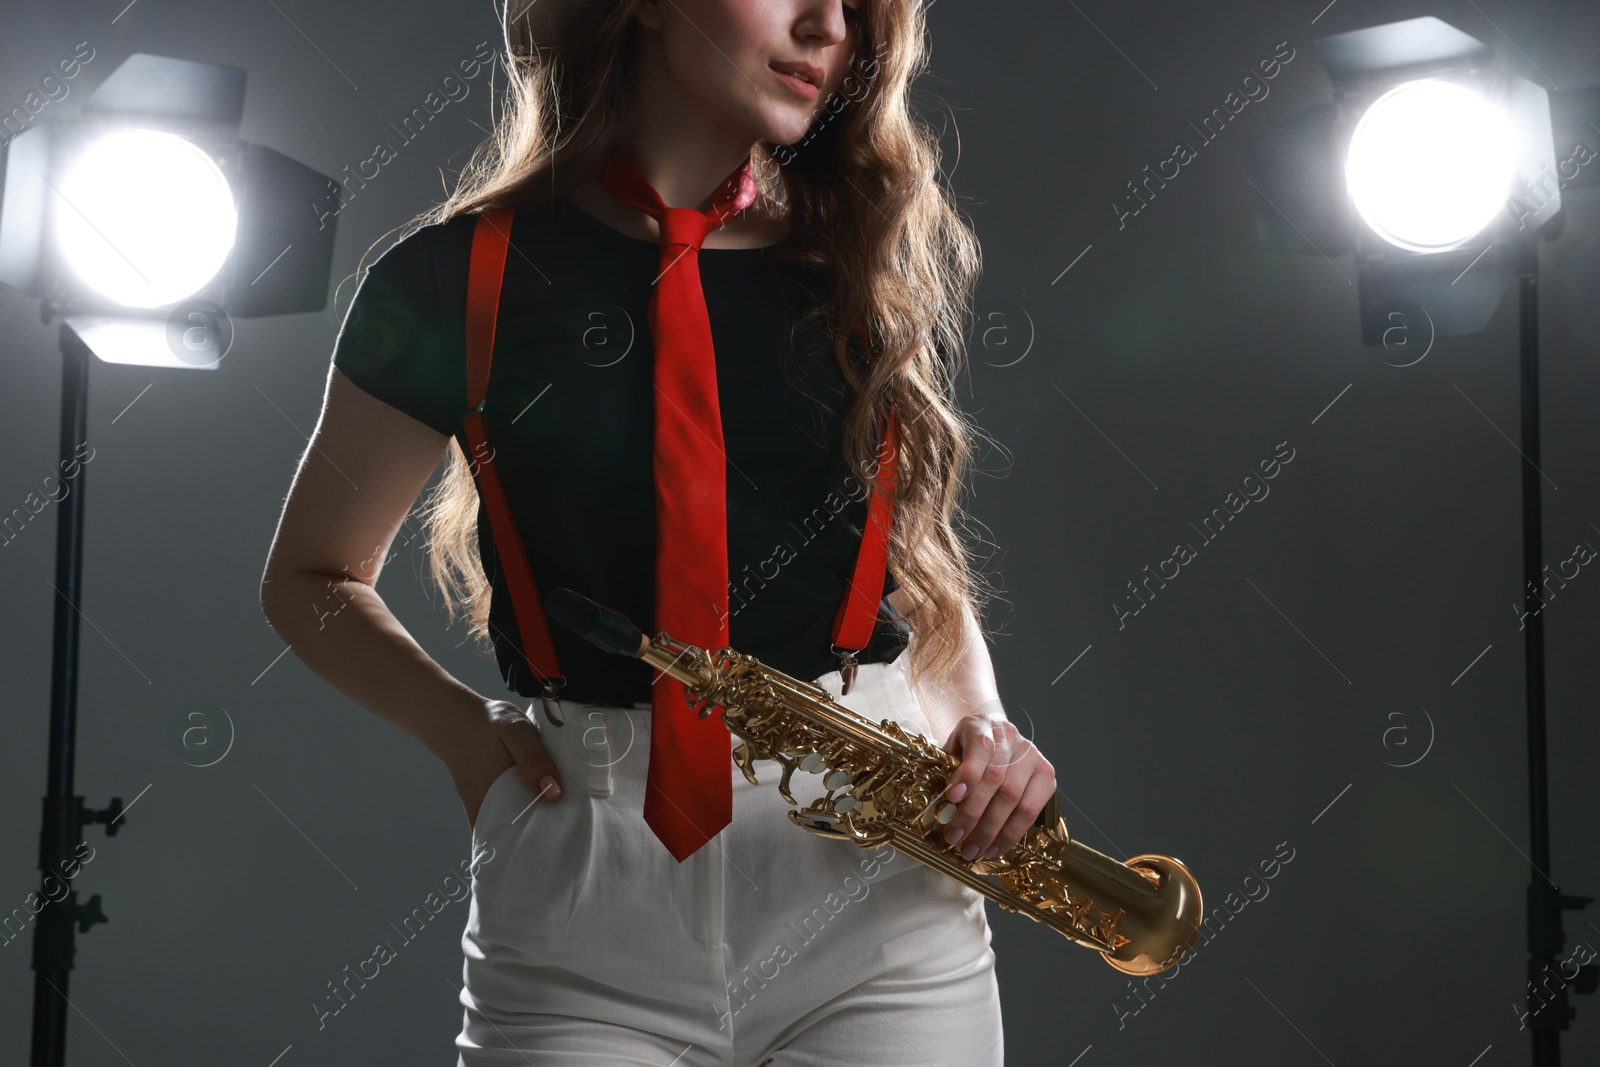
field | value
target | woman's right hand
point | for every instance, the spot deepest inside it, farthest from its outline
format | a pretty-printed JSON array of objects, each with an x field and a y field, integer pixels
[{"x": 506, "y": 738}]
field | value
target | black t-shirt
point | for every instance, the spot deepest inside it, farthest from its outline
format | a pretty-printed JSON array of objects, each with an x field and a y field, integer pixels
[{"x": 570, "y": 414}]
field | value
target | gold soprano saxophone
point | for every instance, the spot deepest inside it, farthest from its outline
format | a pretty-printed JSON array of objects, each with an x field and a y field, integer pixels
[{"x": 886, "y": 784}]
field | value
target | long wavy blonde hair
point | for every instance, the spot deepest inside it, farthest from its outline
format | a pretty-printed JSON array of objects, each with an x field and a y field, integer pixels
[{"x": 863, "y": 196}]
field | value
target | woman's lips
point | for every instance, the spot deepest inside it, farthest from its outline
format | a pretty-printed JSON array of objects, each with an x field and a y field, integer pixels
[{"x": 799, "y": 85}]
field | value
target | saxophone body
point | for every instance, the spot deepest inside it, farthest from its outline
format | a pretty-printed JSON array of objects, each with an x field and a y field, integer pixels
[{"x": 885, "y": 785}]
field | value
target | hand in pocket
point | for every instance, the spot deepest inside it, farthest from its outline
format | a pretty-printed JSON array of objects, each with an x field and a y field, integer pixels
[{"x": 506, "y": 739}]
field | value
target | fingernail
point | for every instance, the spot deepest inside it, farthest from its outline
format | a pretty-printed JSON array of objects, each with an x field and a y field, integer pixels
[
  {"x": 970, "y": 852},
  {"x": 954, "y": 835},
  {"x": 549, "y": 788},
  {"x": 956, "y": 792}
]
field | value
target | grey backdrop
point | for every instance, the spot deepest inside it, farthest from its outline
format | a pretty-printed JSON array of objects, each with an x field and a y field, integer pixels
[{"x": 1249, "y": 709}]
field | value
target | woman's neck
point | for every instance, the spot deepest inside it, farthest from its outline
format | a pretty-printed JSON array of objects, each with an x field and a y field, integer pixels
[{"x": 746, "y": 231}]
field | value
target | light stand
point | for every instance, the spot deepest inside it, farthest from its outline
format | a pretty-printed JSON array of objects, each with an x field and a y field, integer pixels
[
  {"x": 64, "y": 813},
  {"x": 1546, "y": 902},
  {"x": 262, "y": 246}
]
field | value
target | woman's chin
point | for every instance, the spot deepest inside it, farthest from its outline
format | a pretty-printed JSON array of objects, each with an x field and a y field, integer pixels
[{"x": 783, "y": 128}]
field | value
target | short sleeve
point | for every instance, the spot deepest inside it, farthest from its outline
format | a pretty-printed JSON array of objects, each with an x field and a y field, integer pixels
[{"x": 394, "y": 343}]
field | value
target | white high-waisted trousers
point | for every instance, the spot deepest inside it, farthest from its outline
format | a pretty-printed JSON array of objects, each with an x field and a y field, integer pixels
[{"x": 588, "y": 944}]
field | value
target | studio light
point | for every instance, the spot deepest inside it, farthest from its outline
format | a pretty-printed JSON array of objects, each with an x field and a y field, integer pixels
[
  {"x": 1429, "y": 165},
  {"x": 145, "y": 225},
  {"x": 1430, "y": 157},
  {"x": 145, "y": 217},
  {"x": 1439, "y": 171}
]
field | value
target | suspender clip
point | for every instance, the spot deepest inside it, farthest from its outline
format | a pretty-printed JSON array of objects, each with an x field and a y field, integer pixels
[
  {"x": 552, "y": 703},
  {"x": 847, "y": 667}
]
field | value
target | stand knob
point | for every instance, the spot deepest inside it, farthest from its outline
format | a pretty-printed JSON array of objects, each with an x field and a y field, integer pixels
[
  {"x": 110, "y": 815},
  {"x": 85, "y": 914}
]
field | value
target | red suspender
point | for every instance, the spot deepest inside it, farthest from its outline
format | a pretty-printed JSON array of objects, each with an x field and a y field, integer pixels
[
  {"x": 490, "y": 239},
  {"x": 858, "y": 610}
]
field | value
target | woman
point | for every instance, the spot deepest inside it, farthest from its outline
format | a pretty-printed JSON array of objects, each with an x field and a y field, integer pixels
[{"x": 587, "y": 940}]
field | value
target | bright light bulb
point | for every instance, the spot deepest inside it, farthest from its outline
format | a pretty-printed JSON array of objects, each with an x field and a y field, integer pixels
[
  {"x": 144, "y": 217},
  {"x": 1429, "y": 165}
]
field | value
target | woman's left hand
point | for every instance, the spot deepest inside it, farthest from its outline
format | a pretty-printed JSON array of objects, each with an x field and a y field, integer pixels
[{"x": 1000, "y": 788}]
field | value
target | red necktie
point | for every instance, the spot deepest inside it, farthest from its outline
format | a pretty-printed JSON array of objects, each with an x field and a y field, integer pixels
[{"x": 688, "y": 787}]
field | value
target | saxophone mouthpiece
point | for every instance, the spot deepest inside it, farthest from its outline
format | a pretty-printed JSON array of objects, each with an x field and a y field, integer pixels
[{"x": 600, "y": 625}]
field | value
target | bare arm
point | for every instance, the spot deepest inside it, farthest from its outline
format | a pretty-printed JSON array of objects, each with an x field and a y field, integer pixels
[
  {"x": 360, "y": 474},
  {"x": 972, "y": 689},
  {"x": 1004, "y": 780}
]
